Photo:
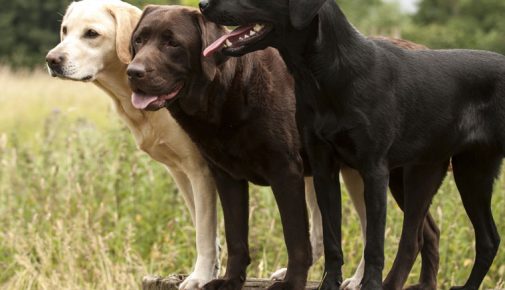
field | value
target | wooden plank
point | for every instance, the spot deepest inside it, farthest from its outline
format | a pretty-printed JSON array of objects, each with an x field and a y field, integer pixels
[{"x": 172, "y": 282}]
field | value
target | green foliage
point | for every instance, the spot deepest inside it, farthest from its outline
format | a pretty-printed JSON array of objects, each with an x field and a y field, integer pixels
[
  {"x": 477, "y": 24},
  {"x": 30, "y": 28},
  {"x": 82, "y": 208}
]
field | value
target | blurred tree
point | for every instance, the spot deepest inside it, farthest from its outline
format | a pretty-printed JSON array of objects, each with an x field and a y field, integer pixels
[
  {"x": 29, "y": 28},
  {"x": 375, "y": 17},
  {"x": 477, "y": 24}
]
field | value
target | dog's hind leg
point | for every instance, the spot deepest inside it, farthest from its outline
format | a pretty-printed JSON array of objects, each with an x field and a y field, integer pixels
[
  {"x": 355, "y": 188},
  {"x": 420, "y": 183},
  {"x": 430, "y": 238},
  {"x": 316, "y": 223},
  {"x": 475, "y": 173}
]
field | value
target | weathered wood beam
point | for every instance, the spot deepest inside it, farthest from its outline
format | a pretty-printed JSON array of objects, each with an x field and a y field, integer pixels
[{"x": 172, "y": 283}]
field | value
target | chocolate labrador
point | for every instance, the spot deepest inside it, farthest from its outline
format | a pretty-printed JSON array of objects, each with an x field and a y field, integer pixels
[
  {"x": 241, "y": 116},
  {"x": 376, "y": 107}
]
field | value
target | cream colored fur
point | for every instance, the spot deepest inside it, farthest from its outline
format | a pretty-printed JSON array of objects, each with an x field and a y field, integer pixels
[{"x": 104, "y": 60}]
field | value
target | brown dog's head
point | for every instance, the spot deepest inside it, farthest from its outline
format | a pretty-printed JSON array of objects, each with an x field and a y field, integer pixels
[{"x": 167, "y": 57}]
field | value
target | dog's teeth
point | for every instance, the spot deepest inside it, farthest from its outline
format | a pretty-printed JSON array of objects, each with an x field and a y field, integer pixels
[
  {"x": 241, "y": 38},
  {"x": 252, "y": 33},
  {"x": 258, "y": 27},
  {"x": 228, "y": 43},
  {"x": 246, "y": 36}
]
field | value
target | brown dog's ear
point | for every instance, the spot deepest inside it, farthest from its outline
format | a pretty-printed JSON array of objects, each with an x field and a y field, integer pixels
[
  {"x": 147, "y": 10},
  {"x": 209, "y": 32},
  {"x": 301, "y": 12},
  {"x": 126, "y": 17}
]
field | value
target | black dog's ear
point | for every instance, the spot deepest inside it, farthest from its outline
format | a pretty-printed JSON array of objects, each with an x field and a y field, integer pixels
[
  {"x": 209, "y": 32},
  {"x": 301, "y": 12},
  {"x": 147, "y": 10}
]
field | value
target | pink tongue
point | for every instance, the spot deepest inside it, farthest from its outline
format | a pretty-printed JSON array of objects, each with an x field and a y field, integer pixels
[
  {"x": 142, "y": 101},
  {"x": 216, "y": 45}
]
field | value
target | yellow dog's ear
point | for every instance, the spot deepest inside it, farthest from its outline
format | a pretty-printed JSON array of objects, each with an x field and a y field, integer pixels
[
  {"x": 69, "y": 10},
  {"x": 126, "y": 16}
]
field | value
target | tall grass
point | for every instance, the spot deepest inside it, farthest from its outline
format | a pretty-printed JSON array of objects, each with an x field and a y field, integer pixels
[{"x": 82, "y": 208}]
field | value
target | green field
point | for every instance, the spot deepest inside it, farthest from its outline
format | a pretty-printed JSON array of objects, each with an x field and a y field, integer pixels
[{"x": 82, "y": 208}]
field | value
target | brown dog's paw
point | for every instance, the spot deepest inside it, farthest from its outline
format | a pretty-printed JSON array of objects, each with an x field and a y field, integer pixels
[{"x": 224, "y": 284}]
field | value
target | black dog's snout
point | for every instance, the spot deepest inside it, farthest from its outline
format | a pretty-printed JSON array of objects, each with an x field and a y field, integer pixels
[
  {"x": 55, "y": 60},
  {"x": 203, "y": 4},
  {"x": 136, "y": 71}
]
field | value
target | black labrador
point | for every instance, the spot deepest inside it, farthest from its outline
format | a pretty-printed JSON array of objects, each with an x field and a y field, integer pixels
[{"x": 376, "y": 107}]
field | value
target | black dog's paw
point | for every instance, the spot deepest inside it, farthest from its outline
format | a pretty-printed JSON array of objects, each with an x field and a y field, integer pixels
[
  {"x": 329, "y": 284},
  {"x": 422, "y": 286},
  {"x": 331, "y": 281},
  {"x": 371, "y": 285},
  {"x": 224, "y": 284}
]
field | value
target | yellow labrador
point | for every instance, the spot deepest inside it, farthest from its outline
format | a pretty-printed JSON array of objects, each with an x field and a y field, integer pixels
[{"x": 94, "y": 47}]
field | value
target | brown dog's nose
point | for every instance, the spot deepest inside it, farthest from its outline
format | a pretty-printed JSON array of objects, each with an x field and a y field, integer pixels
[
  {"x": 136, "y": 71},
  {"x": 55, "y": 60}
]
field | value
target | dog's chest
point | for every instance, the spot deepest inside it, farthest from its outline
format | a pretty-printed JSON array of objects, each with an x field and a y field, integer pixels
[
  {"x": 236, "y": 149},
  {"x": 236, "y": 157},
  {"x": 341, "y": 133}
]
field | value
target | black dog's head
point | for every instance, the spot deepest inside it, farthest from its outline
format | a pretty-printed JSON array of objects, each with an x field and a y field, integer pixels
[
  {"x": 262, "y": 23},
  {"x": 166, "y": 51}
]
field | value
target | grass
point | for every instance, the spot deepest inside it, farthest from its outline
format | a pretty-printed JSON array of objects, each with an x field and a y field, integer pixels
[{"x": 82, "y": 208}]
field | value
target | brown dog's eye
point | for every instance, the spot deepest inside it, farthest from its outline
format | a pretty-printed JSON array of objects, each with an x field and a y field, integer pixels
[
  {"x": 170, "y": 42},
  {"x": 90, "y": 33},
  {"x": 64, "y": 30},
  {"x": 138, "y": 40}
]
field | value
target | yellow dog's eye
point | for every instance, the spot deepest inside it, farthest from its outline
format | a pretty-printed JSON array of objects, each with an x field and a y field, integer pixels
[{"x": 90, "y": 33}]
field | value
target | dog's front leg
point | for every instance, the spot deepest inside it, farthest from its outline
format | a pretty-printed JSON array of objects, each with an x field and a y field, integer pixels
[
  {"x": 376, "y": 180},
  {"x": 316, "y": 227},
  {"x": 326, "y": 182},
  {"x": 234, "y": 198},
  {"x": 288, "y": 188}
]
